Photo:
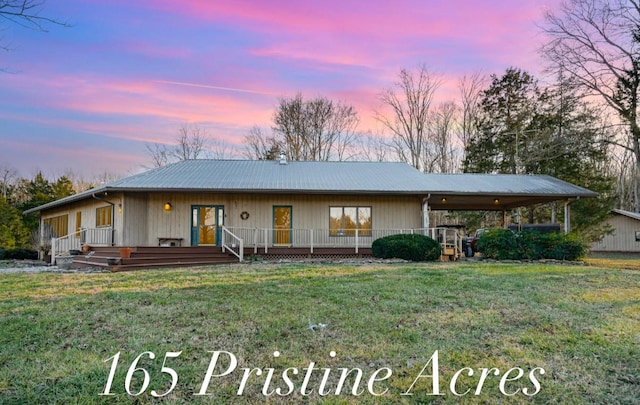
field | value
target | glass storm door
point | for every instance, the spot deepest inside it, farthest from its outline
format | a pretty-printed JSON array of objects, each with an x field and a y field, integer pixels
[
  {"x": 282, "y": 225},
  {"x": 206, "y": 224}
]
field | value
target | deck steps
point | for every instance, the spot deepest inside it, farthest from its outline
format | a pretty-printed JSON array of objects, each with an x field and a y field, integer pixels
[{"x": 149, "y": 257}]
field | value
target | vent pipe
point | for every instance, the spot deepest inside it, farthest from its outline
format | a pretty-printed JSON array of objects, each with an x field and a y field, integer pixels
[{"x": 283, "y": 158}]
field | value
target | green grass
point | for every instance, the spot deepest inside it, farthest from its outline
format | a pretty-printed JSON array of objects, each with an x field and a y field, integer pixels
[{"x": 580, "y": 323}]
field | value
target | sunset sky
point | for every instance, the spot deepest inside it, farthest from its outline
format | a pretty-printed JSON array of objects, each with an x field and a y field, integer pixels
[{"x": 87, "y": 98}]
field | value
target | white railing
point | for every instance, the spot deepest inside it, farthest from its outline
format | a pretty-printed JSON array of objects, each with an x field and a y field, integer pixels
[
  {"x": 266, "y": 238},
  {"x": 232, "y": 243},
  {"x": 74, "y": 241}
]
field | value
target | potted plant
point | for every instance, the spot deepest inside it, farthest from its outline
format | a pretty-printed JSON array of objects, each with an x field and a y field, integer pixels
[{"x": 125, "y": 252}]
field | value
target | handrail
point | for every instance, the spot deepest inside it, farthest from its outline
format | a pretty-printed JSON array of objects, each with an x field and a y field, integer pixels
[
  {"x": 234, "y": 238},
  {"x": 73, "y": 241}
]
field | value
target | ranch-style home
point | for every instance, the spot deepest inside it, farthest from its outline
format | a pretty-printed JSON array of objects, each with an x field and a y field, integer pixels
[{"x": 251, "y": 207}]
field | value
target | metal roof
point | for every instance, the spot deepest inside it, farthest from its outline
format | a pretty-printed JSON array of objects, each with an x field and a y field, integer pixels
[
  {"x": 260, "y": 176},
  {"x": 634, "y": 215}
]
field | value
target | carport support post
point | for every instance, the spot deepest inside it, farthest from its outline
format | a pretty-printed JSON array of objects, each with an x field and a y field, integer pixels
[
  {"x": 567, "y": 216},
  {"x": 504, "y": 219}
]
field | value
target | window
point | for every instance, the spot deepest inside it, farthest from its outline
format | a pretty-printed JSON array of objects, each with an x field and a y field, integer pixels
[
  {"x": 343, "y": 221},
  {"x": 59, "y": 225},
  {"x": 637, "y": 236},
  {"x": 103, "y": 216},
  {"x": 78, "y": 223}
]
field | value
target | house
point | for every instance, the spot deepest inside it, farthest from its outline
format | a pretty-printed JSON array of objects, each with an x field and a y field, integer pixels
[
  {"x": 258, "y": 206},
  {"x": 626, "y": 234}
]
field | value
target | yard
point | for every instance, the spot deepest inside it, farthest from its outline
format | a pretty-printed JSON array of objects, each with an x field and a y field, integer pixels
[{"x": 421, "y": 329}]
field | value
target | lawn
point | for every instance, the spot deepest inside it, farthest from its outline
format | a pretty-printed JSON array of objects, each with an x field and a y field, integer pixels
[{"x": 369, "y": 333}]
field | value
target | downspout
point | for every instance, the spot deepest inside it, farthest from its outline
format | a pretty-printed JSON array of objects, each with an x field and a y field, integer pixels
[{"x": 113, "y": 217}]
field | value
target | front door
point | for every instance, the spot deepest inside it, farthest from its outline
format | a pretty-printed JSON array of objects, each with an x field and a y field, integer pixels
[
  {"x": 282, "y": 224},
  {"x": 206, "y": 224}
]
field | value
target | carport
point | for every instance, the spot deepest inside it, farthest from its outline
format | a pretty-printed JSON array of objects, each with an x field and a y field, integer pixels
[{"x": 498, "y": 192}]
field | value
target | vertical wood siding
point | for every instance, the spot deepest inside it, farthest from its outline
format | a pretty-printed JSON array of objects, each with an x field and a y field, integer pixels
[{"x": 623, "y": 239}]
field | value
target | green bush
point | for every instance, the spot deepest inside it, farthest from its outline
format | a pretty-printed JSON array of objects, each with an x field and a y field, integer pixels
[
  {"x": 1, "y": 253},
  {"x": 20, "y": 254},
  {"x": 417, "y": 248},
  {"x": 502, "y": 244}
]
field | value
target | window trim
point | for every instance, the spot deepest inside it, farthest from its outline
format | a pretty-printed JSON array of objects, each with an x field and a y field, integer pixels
[
  {"x": 340, "y": 233},
  {"x": 106, "y": 216}
]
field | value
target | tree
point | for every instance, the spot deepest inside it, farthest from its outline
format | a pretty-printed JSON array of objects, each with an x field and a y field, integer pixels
[
  {"x": 13, "y": 233},
  {"x": 259, "y": 146},
  {"x": 597, "y": 44},
  {"x": 441, "y": 153},
  {"x": 470, "y": 88},
  {"x": 26, "y": 13},
  {"x": 506, "y": 111},
  {"x": 316, "y": 129},
  {"x": 410, "y": 102},
  {"x": 191, "y": 143},
  {"x": 527, "y": 130}
]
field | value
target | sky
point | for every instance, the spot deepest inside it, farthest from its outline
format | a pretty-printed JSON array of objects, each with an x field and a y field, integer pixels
[{"x": 87, "y": 98}]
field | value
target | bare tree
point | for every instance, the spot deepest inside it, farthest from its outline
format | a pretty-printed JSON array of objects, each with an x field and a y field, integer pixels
[
  {"x": 597, "y": 44},
  {"x": 191, "y": 141},
  {"x": 316, "y": 129},
  {"x": 259, "y": 146},
  {"x": 374, "y": 148},
  {"x": 8, "y": 175},
  {"x": 410, "y": 102},
  {"x": 470, "y": 95},
  {"x": 159, "y": 154},
  {"x": 443, "y": 127}
]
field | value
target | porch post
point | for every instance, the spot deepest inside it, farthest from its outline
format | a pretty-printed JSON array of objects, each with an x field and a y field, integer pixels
[
  {"x": 356, "y": 240},
  {"x": 504, "y": 219},
  {"x": 255, "y": 241},
  {"x": 266, "y": 240},
  {"x": 425, "y": 213},
  {"x": 53, "y": 251},
  {"x": 311, "y": 239},
  {"x": 567, "y": 216}
]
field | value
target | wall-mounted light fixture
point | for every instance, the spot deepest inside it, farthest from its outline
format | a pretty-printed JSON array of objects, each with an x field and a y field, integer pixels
[
  {"x": 496, "y": 201},
  {"x": 443, "y": 200},
  {"x": 167, "y": 206},
  {"x": 120, "y": 208}
]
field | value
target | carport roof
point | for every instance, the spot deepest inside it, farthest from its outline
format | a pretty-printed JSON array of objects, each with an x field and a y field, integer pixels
[{"x": 461, "y": 191}]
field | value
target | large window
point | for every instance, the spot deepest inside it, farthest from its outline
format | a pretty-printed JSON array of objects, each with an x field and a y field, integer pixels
[
  {"x": 59, "y": 225},
  {"x": 343, "y": 221},
  {"x": 103, "y": 216},
  {"x": 78, "y": 223}
]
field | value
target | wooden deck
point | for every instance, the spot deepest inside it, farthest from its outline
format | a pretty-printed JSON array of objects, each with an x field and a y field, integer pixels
[
  {"x": 152, "y": 257},
  {"x": 143, "y": 257}
]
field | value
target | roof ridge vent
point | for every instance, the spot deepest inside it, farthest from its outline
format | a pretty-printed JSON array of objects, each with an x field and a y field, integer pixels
[{"x": 283, "y": 158}]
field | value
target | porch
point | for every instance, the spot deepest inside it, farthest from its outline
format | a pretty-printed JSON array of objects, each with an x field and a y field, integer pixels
[{"x": 238, "y": 243}]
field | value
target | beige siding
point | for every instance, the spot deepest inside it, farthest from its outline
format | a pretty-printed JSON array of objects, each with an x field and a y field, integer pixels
[
  {"x": 88, "y": 208},
  {"x": 134, "y": 218},
  {"x": 623, "y": 239},
  {"x": 309, "y": 211}
]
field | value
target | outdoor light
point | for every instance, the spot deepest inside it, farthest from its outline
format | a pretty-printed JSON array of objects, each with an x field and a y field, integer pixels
[
  {"x": 496, "y": 201},
  {"x": 120, "y": 208},
  {"x": 167, "y": 206},
  {"x": 443, "y": 200}
]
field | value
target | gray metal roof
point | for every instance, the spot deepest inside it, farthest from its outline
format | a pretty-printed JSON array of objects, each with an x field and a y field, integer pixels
[
  {"x": 259, "y": 176},
  {"x": 634, "y": 215}
]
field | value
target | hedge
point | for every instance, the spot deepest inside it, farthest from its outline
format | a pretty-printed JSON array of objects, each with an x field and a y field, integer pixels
[
  {"x": 503, "y": 244},
  {"x": 18, "y": 254},
  {"x": 413, "y": 247}
]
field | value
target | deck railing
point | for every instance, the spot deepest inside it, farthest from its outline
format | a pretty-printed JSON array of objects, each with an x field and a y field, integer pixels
[
  {"x": 63, "y": 245},
  {"x": 266, "y": 238}
]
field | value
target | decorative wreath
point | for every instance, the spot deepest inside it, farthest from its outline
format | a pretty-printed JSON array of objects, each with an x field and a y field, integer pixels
[{"x": 244, "y": 215}]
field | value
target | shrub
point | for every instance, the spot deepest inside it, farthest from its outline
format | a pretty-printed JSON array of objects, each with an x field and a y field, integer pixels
[
  {"x": 417, "y": 248},
  {"x": 21, "y": 254},
  {"x": 501, "y": 244},
  {"x": 1, "y": 253}
]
